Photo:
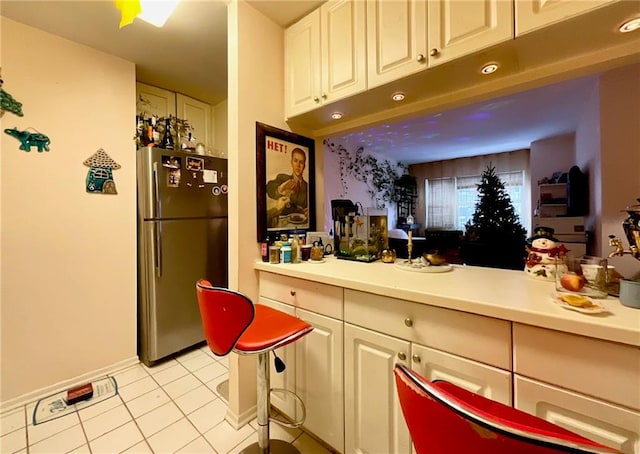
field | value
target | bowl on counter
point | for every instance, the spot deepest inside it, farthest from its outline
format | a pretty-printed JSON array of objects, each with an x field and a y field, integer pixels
[{"x": 434, "y": 258}]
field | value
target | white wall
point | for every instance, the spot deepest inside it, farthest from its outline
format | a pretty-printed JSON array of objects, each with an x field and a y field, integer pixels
[
  {"x": 68, "y": 257},
  {"x": 620, "y": 163},
  {"x": 555, "y": 154},
  {"x": 353, "y": 190},
  {"x": 255, "y": 48}
]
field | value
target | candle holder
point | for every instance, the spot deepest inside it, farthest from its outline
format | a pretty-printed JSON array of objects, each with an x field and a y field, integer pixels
[{"x": 409, "y": 248}]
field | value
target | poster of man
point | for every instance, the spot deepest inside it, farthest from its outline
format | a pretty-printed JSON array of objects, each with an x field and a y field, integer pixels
[{"x": 287, "y": 185}]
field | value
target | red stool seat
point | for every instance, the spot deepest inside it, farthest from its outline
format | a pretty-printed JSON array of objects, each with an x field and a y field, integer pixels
[
  {"x": 443, "y": 419},
  {"x": 271, "y": 329}
]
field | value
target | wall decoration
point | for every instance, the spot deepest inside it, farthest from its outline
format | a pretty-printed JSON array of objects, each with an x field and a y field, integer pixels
[
  {"x": 30, "y": 139},
  {"x": 100, "y": 175},
  {"x": 285, "y": 181},
  {"x": 379, "y": 176},
  {"x": 8, "y": 103}
]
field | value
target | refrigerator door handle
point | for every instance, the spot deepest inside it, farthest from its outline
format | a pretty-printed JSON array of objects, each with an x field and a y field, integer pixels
[
  {"x": 157, "y": 247},
  {"x": 157, "y": 207}
]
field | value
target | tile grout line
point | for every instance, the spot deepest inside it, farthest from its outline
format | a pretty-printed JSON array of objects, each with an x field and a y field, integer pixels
[{"x": 185, "y": 416}]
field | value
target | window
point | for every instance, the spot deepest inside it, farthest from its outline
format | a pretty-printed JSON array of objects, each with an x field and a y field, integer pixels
[{"x": 451, "y": 202}]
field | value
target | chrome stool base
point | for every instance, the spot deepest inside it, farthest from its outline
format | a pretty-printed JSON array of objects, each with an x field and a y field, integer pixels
[{"x": 275, "y": 447}]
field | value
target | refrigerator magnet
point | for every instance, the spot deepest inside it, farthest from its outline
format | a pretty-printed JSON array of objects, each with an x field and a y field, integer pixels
[
  {"x": 224, "y": 188},
  {"x": 215, "y": 190},
  {"x": 100, "y": 175},
  {"x": 210, "y": 176},
  {"x": 196, "y": 164}
]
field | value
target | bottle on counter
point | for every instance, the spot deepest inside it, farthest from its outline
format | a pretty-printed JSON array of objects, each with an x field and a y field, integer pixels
[
  {"x": 264, "y": 249},
  {"x": 167, "y": 138},
  {"x": 148, "y": 139},
  {"x": 295, "y": 249},
  {"x": 285, "y": 253}
]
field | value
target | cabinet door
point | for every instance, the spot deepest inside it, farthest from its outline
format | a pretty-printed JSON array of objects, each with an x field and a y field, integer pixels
[
  {"x": 597, "y": 420},
  {"x": 460, "y": 28},
  {"x": 373, "y": 418},
  {"x": 319, "y": 378},
  {"x": 152, "y": 100},
  {"x": 343, "y": 47},
  {"x": 396, "y": 39},
  {"x": 302, "y": 65},
  {"x": 199, "y": 116},
  {"x": 534, "y": 14},
  {"x": 490, "y": 382},
  {"x": 283, "y": 380}
]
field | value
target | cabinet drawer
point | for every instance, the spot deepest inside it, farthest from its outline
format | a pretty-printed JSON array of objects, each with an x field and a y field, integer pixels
[
  {"x": 483, "y": 339},
  {"x": 599, "y": 368},
  {"x": 490, "y": 382},
  {"x": 599, "y": 421},
  {"x": 320, "y": 298}
]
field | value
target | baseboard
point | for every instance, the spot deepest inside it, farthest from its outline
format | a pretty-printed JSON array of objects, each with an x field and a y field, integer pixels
[
  {"x": 66, "y": 384},
  {"x": 239, "y": 421}
]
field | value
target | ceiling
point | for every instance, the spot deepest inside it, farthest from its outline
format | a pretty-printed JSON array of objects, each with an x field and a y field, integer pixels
[{"x": 188, "y": 55}]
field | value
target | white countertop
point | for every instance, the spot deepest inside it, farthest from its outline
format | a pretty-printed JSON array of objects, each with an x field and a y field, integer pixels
[{"x": 504, "y": 294}]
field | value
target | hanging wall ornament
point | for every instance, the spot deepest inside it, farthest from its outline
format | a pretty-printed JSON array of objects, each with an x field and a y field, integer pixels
[
  {"x": 100, "y": 175},
  {"x": 29, "y": 139},
  {"x": 8, "y": 103}
]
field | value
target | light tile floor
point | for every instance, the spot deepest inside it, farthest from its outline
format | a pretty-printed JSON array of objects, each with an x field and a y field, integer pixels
[{"x": 173, "y": 407}]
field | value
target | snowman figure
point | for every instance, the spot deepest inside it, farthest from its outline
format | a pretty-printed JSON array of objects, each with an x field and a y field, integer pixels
[{"x": 542, "y": 251}]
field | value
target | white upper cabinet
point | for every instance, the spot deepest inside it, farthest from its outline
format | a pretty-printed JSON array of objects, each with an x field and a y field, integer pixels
[
  {"x": 534, "y": 14},
  {"x": 457, "y": 28},
  {"x": 396, "y": 39},
  {"x": 325, "y": 56},
  {"x": 199, "y": 116},
  {"x": 154, "y": 101}
]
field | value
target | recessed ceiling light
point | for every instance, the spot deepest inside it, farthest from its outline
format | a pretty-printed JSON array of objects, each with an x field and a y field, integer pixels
[
  {"x": 630, "y": 25},
  {"x": 398, "y": 96},
  {"x": 336, "y": 115},
  {"x": 489, "y": 68}
]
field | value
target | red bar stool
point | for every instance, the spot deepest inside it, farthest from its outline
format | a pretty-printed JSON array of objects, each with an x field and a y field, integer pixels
[
  {"x": 232, "y": 322},
  {"x": 444, "y": 419}
]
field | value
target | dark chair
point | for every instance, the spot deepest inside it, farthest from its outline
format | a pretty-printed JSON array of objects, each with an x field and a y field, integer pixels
[
  {"x": 232, "y": 322},
  {"x": 444, "y": 419}
]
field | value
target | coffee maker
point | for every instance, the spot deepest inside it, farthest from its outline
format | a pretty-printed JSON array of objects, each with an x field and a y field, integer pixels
[{"x": 343, "y": 212}]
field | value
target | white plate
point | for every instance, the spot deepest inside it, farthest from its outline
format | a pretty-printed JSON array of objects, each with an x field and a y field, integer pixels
[
  {"x": 297, "y": 218},
  {"x": 597, "y": 308},
  {"x": 418, "y": 266},
  {"x": 316, "y": 261}
]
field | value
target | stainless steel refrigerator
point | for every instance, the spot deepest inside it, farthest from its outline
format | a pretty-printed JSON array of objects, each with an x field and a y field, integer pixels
[{"x": 182, "y": 237}]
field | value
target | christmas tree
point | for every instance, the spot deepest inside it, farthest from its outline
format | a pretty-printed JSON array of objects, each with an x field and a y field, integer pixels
[{"x": 494, "y": 236}]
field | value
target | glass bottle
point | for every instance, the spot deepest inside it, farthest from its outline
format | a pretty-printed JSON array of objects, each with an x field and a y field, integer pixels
[
  {"x": 150, "y": 137},
  {"x": 295, "y": 249},
  {"x": 167, "y": 138}
]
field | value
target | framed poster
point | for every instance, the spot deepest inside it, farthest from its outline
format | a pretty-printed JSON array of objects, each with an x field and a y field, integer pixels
[{"x": 285, "y": 173}]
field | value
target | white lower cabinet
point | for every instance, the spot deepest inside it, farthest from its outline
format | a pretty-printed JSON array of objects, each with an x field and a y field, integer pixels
[
  {"x": 319, "y": 377},
  {"x": 597, "y": 420},
  {"x": 479, "y": 378},
  {"x": 373, "y": 418}
]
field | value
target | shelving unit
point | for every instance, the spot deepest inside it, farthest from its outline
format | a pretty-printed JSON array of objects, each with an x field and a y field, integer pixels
[
  {"x": 552, "y": 199},
  {"x": 407, "y": 191}
]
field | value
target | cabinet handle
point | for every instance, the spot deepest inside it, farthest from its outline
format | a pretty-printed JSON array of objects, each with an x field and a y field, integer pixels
[
  {"x": 324, "y": 96},
  {"x": 420, "y": 57},
  {"x": 416, "y": 358},
  {"x": 408, "y": 322},
  {"x": 292, "y": 292},
  {"x": 434, "y": 52},
  {"x": 316, "y": 99},
  {"x": 402, "y": 356}
]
